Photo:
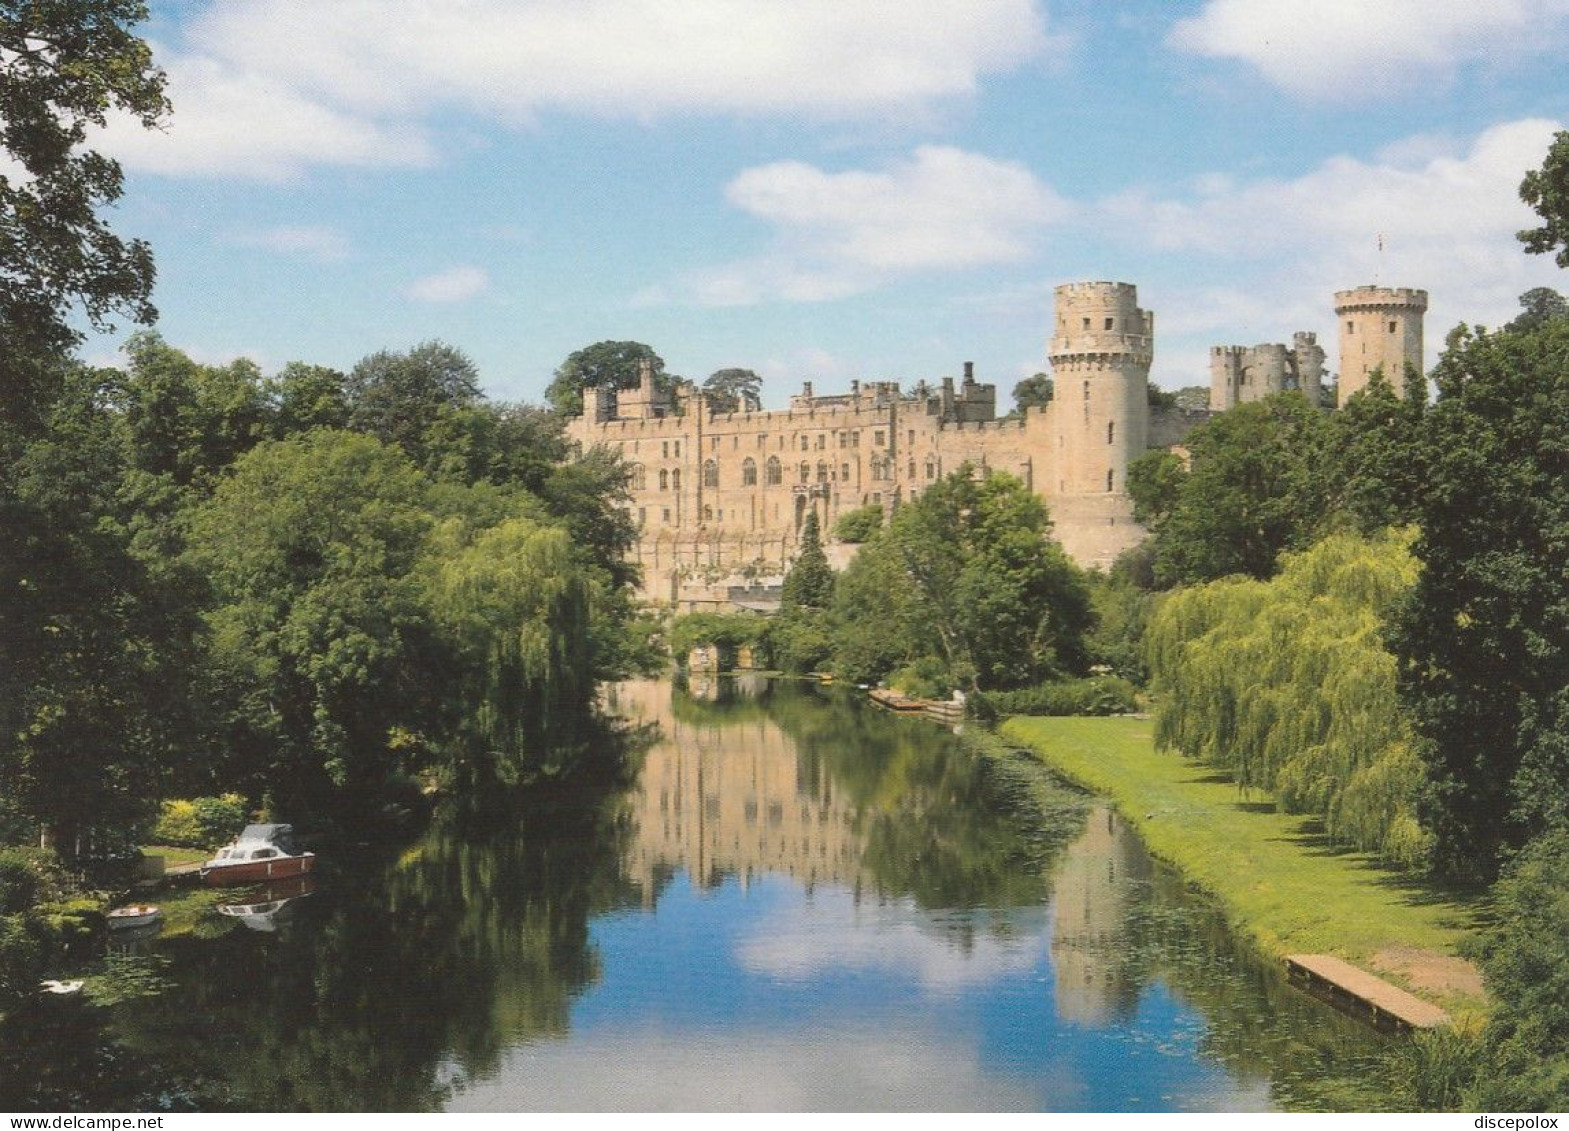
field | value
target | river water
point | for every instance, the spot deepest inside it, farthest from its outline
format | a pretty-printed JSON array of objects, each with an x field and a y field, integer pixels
[{"x": 795, "y": 902}]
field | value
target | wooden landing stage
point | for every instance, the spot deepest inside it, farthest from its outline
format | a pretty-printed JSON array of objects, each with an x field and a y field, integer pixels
[{"x": 1347, "y": 986}]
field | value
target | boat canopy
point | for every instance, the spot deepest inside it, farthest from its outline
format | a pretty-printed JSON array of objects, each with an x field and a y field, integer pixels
[{"x": 280, "y": 836}]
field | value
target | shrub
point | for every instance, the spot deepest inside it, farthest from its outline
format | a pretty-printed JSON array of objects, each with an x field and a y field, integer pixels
[
  {"x": 23, "y": 951},
  {"x": 1097, "y": 695},
  {"x": 200, "y": 823},
  {"x": 926, "y": 678},
  {"x": 859, "y": 525},
  {"x": 18, "y": 881}
]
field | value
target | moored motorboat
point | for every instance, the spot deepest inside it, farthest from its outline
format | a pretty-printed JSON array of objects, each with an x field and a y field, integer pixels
[
  {"x": 136, "y": 915},
  {"x": 260, "y": 854}
]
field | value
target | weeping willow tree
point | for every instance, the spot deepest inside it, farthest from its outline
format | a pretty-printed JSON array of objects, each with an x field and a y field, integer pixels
[
  {"x": 1287, "y": 685},
  {"x": 515, "y": 604}
]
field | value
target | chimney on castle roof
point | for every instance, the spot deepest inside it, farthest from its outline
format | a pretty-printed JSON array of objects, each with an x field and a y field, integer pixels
[
  {"x": 806, "y": 389},
  {"x": 969, "y": 372}
]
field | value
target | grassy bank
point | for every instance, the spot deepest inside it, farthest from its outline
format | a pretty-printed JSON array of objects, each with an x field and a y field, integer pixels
[{"x": 1278, "y": 878}]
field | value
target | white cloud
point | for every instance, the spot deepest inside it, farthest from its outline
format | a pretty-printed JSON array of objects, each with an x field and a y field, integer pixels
[
  {"x": 838, "y": 936},
  {"x": 1447, "y": 220},
  {"x": 1349, "y": 49},
  {"x": 452, "y": 285},
  {"x": 838, "y": 234},
  {"x": 324, "y": 245},
  {"x": 265, "y": 88}
]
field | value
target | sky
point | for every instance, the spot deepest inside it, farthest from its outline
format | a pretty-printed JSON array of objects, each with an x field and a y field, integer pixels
[{"x": 827, "y": 189}]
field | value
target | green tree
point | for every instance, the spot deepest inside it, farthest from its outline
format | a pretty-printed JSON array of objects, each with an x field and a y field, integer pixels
[
  {"x": 810, "y": 582},
  {"x": 1033, "y": 392},
  {"x": 858, "y": 525},
  {"x": 974, "y": 579},
  {"x": 317, "y": 625},
  {"x": 1255, "y": 487},
  {"x": 734, "y": 390},
  {"x": 1155, "y": 483},
  {"x": 1546, "y": 190},
  {"x": 409, "y": 399},
  {"x": 1376, "y": 468},
  {"x": 1160, "y": 398},
  {"x": 1288, "y": 684},
  {"x": 603, "y": 365},
  {"x": 307, "y": 396},
  {"x": 1539, "y": 305},
  {"x": 67, "y": 64},
  {"x": 1484, "y": 639}
]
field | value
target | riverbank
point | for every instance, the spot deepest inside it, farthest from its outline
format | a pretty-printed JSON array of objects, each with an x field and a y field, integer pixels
[{"x": 1278, "y": 878}]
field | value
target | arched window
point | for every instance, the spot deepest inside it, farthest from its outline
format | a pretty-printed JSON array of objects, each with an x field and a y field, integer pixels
[
  {"x": 822, "y": 471},
  {"x": 710, "y": 473},
  {"x": 675, "y": 479},
  {"x": 749, "y": 472},
  {"x": 636, "y": 477},
  {"x": 806, "y": 472},
  {"x": 1111, "y": 480},
  {"x": 931, "y": 470},
  {"x": 664, "y": 480},
  {"x": 774, "y": 472}
]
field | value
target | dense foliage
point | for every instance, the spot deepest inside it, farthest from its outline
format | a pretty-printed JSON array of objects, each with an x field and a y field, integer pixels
[
  {"x": 603, "y": 365},
  {"x": 1484, "y": 639},
  {"x": 1287, "y": 684},
  {"x": 966, "y": 574}
]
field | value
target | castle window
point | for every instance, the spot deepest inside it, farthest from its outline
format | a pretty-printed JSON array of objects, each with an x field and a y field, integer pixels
[
  {"x": 749, "y": 472},
  {"x": 1111, "y": 431},
  {"x": 822, "y": 471},
  {"x": 822, "y": 440},
  {"x": 806, "y": 443},
  {"x": 1392, "y": 327},
  {"x": 642, "y": 516},
  {"x": 713, "y": 443},
  {"x": 675, "y": 479},
  {"x": 665, "y": 450},
  {"x": 1351, "y": 327},
  {"x": 912, "y": 437},
  {"x": 1111, "y": 479},
  {"x": 844, "y": 473},
  {"x": 877, "y": 497},
  {"x": 773, "y": 472},
  {"x": 664, "y": 480},
  {"x": 636, "y": 477},
  {"x": 878, "y": 438},
  {"x": 762, "y": 438},
  {"x": 710, "y": 473},
  {"x": 855, "y": 439},
  {"x": 1086, "y": 323},
  {"x": 678, "y": 449},
  {"x": 1111, "y": 323},
  {"x": 911, "y": 470},
  {"x": 806, "y": 472},
  {"x": 667, "y": 516},
  {"x": 931, "y": 470},
  {"x": 708, "y": 514}
]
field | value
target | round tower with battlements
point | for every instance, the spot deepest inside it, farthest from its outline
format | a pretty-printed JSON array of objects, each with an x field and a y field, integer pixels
[
  {"x": 1380, "y": 327},
  {"x": 1100, "y": 353}
]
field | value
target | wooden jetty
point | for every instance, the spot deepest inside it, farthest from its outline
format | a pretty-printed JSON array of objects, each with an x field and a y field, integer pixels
[
  {"x": 1354, "y": 989},
  {"x": 939, "y": 710}
]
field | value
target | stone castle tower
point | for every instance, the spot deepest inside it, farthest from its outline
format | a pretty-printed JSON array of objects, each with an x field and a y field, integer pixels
[
  {"x": 1100, "y": 358},
  {"x": 1379, "y": 327},
  {"x": 1238, "y": 374}
]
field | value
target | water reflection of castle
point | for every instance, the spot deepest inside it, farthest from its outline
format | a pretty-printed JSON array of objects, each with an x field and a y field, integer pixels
[
  {"x": 729, "y": 798},
  {"x": 1099, "y": 877}
]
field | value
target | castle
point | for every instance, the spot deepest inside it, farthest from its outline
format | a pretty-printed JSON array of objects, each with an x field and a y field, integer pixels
[{"x": 720, "y": 498}]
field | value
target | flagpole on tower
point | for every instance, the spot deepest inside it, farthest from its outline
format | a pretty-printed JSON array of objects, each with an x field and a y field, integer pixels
[{"x": 1378, "y": 268}]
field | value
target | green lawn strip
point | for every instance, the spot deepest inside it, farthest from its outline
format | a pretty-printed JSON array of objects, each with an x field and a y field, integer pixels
[
  {"x": 174, "y": 856},
  {"x": 1278, "y": 878}
]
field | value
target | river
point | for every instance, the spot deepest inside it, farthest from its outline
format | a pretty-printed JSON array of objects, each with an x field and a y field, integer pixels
[{"x": 794, "y": 902}]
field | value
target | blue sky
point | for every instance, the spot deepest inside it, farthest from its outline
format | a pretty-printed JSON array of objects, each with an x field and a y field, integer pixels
[{"x": 827, "y": 189}]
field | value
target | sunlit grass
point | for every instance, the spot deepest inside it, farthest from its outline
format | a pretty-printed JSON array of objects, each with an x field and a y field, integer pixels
[{"x": 1279, "y": 879}]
